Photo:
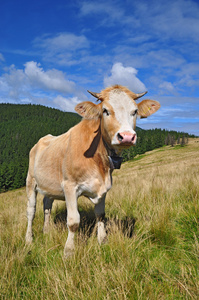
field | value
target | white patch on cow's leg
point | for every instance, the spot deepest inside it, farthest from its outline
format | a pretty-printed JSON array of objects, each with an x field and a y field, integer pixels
[
  {"x": 70, "y": 245},
  {"x": 47, "y": 204},
  {"x": 73, "y": 218},
  {"x": 101, "y": 232},
  {"x": 31, "y": 207},
  {"x": 100, "y": 215}
]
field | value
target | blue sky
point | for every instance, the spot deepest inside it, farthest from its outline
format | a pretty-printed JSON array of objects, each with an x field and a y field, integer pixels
[{"x": 51, "y": 52}]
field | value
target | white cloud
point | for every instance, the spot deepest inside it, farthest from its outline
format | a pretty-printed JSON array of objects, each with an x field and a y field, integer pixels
[
  {"x": 165, "y": 20},
  {"x": 66, "y": 104},
  {"x": 51, "y": 79},
  {"x": 62, "y": 41},
  {"x": 14, "y": 82},
  {"x": 109, "y": 13},
  {"x": 125, "y": 76},
  {"x": 171, "y": 19},
  {"x": 65, "y": 48},
  {"x": 167, "y": 87},
  {"x": 33, "y": 76},
  {"x": 1, "y": 57},
  {"x": 35, "y": 85},
  {"x": 3, "y": 85},
  {"x": 102, "y": 8}
]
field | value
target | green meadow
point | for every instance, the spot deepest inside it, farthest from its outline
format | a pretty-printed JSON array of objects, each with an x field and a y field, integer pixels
[{"x": 152, "y": 250}]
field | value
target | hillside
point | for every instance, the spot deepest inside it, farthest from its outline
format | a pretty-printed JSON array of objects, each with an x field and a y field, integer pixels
[
  {"x": 153, "y": 243},
  {"x": 21, "y": 126}
]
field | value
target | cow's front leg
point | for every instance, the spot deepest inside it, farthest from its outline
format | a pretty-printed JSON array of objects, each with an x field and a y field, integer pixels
[
  {"x": 31, "y": 206},
  {"x": 47, "y": 204},
  {"x": 100, "y": 216},
  {"x": 73, "y": 217}
]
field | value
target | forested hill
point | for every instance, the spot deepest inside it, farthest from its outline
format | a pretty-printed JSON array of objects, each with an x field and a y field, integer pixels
[{"x": 21, "y": 126}]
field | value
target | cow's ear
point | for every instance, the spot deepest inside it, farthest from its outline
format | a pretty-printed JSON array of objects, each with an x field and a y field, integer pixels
[
  {"x": 88, "y": 110},
  {"x": 147, "y": 108}
]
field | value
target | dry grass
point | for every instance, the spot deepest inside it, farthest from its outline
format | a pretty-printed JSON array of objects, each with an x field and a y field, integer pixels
[{"x": 153, "y": 239}]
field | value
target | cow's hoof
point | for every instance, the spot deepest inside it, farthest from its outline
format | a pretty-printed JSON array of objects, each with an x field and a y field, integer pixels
[
  {"x": 103, "y": 241},
  {"x": 29, "y": 238},
  {"x": 68, "y": 252},
  {"x": 46, "y": 229},
  {"x": 102, "y": 236}
]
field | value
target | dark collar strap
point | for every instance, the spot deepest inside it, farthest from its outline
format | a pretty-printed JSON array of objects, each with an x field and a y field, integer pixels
[{"x": 115, "y": 162}]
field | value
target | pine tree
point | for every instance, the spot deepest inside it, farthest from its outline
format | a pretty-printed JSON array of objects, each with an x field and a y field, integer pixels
[{"x": 183, "y": 141}]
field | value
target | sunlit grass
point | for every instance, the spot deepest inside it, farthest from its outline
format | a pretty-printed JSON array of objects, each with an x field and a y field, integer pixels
[{"x": 153, "y": 238}]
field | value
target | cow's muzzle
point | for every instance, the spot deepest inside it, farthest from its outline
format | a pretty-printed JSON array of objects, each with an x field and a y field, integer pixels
[{"x": 127, "y": 138}]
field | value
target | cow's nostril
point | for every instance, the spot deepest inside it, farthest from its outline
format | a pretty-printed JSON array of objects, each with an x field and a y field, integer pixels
[{"x": 120, "y": 137}]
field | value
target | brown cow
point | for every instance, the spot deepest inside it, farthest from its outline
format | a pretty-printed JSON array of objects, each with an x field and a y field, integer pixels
[{"x": 81, "y": 161}]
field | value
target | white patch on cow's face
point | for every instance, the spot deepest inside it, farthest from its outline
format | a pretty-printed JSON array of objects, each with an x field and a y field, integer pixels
[{"x": 125, "y": 113}]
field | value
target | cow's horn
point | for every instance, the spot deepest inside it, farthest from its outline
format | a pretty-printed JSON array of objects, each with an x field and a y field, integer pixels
[
  {"x": 96, "y": 95},
  {"x": 137, "y": 96}
]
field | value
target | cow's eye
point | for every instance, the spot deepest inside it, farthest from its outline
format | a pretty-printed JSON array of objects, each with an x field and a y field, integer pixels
[
  {"x": 134, "y": 112},
  {"x": 106, "y": 112}
]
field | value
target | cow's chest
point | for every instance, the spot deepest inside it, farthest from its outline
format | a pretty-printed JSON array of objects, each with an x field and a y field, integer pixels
[{"x": 95, "y": 188}]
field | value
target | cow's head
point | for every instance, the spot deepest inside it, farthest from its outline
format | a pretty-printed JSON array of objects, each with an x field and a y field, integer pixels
[{"x": 118, "y": 112}]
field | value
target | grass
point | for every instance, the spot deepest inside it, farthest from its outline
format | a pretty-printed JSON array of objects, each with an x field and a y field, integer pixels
[{"x": 153, "y": 237}]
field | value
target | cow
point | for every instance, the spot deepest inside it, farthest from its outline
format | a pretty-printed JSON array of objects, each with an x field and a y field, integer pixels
[{"x": 81, "y": 161}]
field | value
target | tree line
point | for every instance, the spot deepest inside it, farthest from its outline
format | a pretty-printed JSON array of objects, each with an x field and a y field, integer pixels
[
  {"x": 21, "y": 126},
  {"x": 148, "y": 140}
]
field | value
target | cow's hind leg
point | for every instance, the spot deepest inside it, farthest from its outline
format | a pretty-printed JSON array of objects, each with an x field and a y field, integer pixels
[
  {"x": 100, "y": 216},
  {"x": 31, "y": 206},
  {"x": 47, "y": 204},
  {"x": 73, "y": 218}
]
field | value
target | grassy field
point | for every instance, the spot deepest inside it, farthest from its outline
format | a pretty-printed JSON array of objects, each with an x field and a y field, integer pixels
[{"x": 153, "y": 237}]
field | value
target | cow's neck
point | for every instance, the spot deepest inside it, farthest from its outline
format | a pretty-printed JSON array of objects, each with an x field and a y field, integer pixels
[
  {"x": 115, "y": 160},
  {"x": 99, "y": 149}
]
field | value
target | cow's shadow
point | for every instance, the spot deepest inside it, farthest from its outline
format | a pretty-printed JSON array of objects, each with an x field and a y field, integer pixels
[{"x": 88, "y": 223}]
